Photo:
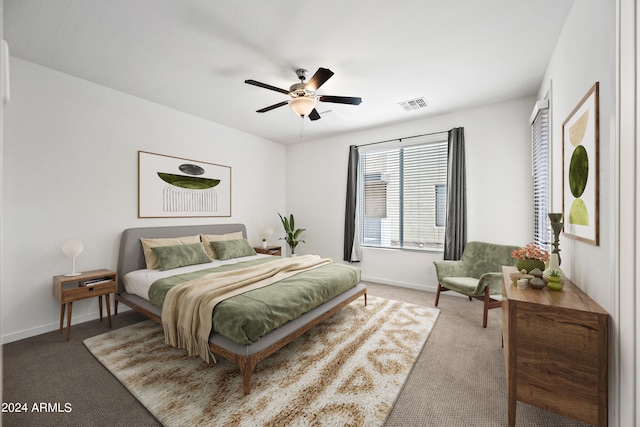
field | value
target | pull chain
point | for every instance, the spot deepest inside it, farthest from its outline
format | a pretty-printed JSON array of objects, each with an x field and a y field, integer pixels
[{"x": 301, "y": 126}]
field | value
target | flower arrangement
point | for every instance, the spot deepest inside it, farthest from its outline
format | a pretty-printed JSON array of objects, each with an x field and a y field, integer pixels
[{"x": 530, "y": 251}]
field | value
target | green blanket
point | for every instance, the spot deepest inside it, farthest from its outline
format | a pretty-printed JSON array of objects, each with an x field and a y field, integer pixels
[{"x": 245, "y": 318}]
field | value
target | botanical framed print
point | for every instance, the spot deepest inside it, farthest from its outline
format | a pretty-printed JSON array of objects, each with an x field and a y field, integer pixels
[
  {"x": 176, "y": 187},
  {"x": 580, "y": 170}
]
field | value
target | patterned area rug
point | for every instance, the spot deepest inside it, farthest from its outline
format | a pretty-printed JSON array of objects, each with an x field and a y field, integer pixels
[{"x": 346, "y": 371}]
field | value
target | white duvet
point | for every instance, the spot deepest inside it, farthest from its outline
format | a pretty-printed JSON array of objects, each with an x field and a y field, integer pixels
[{"x": 138, "y": 282}]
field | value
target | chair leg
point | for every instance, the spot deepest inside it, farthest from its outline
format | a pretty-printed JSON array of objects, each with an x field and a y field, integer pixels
[
  {"x": 485, "y": 315},
  {"x": 438, "y": 294}
]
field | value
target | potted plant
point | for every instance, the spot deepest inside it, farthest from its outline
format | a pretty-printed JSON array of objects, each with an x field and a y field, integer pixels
[
  {"x": 530, "y": 257},
  {"x": 555, "y": 280},
  {"x": 292, "y": 234}
]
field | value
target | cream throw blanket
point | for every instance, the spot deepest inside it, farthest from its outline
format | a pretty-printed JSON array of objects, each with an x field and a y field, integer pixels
[{"x": 188, "y": 307}]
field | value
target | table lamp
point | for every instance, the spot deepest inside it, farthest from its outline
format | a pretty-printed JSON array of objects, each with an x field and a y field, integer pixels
[{"x": 72, "y": 249}]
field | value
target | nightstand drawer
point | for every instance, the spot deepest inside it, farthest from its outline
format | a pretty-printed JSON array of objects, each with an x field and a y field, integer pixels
[
  {"x": 269, "y": 250},
  {"x": 80, "y": 292}
]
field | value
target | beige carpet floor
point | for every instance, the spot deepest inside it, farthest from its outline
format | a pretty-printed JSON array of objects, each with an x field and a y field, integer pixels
[
  {"x": 348, "y": 370},
  {"x": 457, "y": 380}
]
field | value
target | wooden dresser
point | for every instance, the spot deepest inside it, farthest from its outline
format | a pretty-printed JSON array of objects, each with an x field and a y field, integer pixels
[{"x": 556, "y": 351}]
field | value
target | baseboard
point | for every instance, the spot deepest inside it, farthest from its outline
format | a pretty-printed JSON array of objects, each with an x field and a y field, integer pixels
[
  {"x": 50, "y": 327},
  {"x": 420, "y": 287},
  {"x": 426, "y": 288}
]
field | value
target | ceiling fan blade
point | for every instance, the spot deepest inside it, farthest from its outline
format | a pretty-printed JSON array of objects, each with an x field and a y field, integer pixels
[
  {"x": 314, "y": 115},
  {"x": 319, "y": 78},
  {"x": 341, "y": 99},
  {"x": 266, "y": 86},
  {"x": 272, "y": 107}
]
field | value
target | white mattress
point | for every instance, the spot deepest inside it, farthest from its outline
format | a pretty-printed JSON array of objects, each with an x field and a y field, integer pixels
[{"x": 138, "y": 282}]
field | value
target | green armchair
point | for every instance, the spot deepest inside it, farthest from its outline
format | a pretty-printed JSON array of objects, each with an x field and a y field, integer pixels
[{"x": 478, "y": 274}]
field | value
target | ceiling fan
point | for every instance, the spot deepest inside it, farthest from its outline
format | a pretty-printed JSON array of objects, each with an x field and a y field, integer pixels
[{"x": 303, "y": 95}]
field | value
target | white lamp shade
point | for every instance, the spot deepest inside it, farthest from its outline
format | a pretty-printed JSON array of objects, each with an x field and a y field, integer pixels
[
  {"x": 268, "y": 231},
  {"x": 72, "y": 248},
  {"x": 303, "y": 105}
]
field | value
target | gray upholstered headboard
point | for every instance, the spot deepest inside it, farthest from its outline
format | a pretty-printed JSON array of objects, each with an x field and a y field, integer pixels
[{"x": 131, "y": 256}]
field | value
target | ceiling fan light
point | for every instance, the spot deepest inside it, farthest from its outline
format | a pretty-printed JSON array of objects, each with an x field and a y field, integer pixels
[{"x": 303, "y": 105}]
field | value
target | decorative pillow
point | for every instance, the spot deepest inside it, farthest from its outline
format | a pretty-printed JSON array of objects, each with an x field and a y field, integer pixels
[
  {"x": 208, "y": 238},
  {"x": 227, "y": 249},
  {"x": 147, "y": 244},
  {"x": 170, "y": 257}
]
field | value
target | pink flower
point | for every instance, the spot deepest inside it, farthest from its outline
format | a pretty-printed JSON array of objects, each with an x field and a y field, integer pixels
[{"x": 531, "y": 251}]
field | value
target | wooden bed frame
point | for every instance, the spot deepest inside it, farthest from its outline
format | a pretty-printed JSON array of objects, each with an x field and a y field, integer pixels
[{"x": 246, "y": 357}]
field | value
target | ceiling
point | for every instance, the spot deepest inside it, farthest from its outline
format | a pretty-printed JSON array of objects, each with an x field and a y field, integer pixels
[{"x": 194, "y": 55}]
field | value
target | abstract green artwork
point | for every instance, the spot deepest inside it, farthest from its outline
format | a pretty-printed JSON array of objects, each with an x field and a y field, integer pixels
[
  {"x": 580, "y": 169},
  {"x": 175, "y": 187}
]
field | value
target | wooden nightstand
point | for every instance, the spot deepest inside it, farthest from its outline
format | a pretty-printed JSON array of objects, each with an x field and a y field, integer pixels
[
  {"x": 68, "y": 289},
  {"x": 269, "y": 250}
]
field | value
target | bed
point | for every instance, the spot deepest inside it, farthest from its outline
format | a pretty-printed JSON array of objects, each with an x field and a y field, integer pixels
[{"x": 245, "y": 356}]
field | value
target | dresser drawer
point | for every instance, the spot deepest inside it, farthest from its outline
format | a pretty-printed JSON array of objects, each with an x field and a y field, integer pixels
[{"x": 80, "y": 292}]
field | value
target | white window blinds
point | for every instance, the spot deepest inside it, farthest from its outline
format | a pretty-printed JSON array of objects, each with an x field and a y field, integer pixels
[
  {"x": 403, "y": 194},
  {"x": 540, "y": 166}
]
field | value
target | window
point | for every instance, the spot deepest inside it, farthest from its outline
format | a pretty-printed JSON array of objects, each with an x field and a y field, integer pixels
[
  {"x": 403, "y": 194},
  {"x": 540, "y": 170},
  {"x": 441, "y": 204}
]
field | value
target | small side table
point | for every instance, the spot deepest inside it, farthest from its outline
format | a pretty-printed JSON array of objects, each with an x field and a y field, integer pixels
[
  {"x": 269, "y": 250},
  {"x": 96, "y": 283}
]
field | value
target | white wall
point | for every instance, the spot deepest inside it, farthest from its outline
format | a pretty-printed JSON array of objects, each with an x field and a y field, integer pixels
[
  {"x": 626, "y": 393},
  {"x": 71, "y": 172},
  {"x": 2, "y": 94},
  {"x": 499, "y": 187},
  {"x": 585, "y": 54}
]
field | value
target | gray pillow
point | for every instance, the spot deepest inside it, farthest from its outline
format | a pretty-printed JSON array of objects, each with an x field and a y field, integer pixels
[
  {"x": 170, "y": 257},
  {"x": 227, "y": 249}
]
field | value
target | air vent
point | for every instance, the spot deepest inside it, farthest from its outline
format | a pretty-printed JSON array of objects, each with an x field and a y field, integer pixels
[{"x": 413, "y": 104}]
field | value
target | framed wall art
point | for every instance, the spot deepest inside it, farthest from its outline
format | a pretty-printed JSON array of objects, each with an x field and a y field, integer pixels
[
  {"x": 175, "y": 187},
  {"x": 580, "y": 170}
]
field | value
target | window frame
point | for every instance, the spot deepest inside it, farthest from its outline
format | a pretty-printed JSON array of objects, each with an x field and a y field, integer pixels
[
  {"x": 398, "y": 146},
  {"x": 541, "y": 173}
]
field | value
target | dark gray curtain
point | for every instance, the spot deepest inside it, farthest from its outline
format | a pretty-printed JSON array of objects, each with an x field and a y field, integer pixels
[
  {"x": 455, "y": 237},
  {"x": 351, "y": 242}
]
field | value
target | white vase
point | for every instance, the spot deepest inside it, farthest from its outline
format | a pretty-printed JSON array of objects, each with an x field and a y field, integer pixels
[
  {"x": 264, "y": 244},
  {"x": 554, "y": 262}
]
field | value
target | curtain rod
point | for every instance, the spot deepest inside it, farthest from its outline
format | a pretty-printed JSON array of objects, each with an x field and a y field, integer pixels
[{"x": 400, "y": 139}]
